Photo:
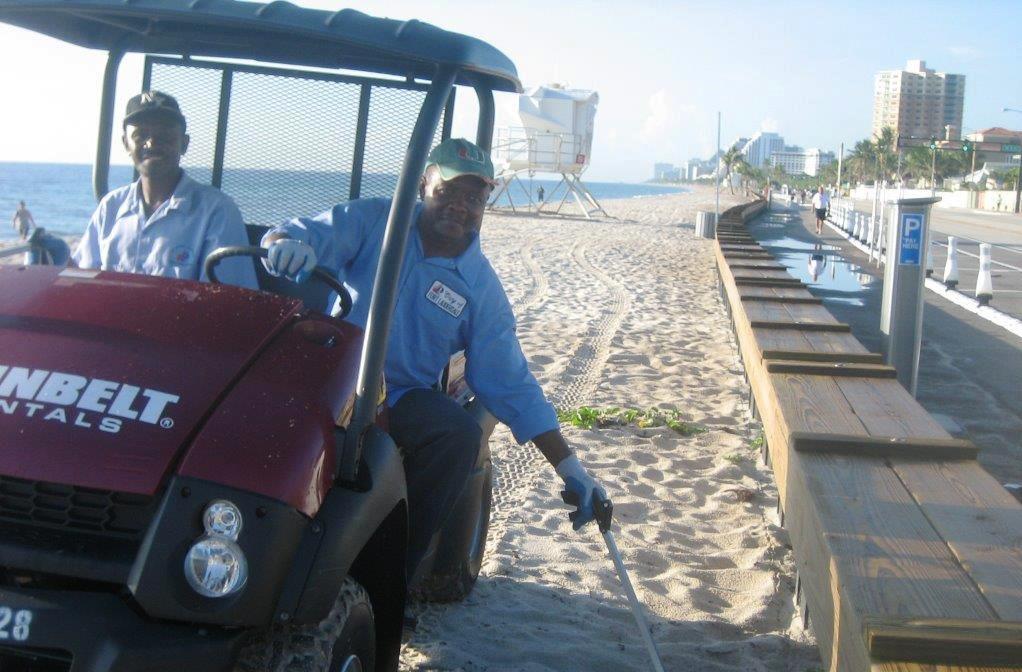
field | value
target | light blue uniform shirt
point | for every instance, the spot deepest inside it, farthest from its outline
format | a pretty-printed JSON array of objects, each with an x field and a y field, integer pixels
[
  {"x": 173, "y": 242},
  {"x": 443, "y": 306}
]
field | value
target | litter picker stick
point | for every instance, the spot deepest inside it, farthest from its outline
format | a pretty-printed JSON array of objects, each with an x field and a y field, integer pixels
[{"x": 604, "y": 510}]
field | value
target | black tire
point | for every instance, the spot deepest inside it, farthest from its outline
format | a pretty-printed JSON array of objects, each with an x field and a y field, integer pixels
[
  {"x": 461, "y": 546},
  {"x": 344, "y": 641}
]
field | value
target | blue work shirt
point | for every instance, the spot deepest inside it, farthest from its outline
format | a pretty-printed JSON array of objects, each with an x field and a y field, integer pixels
[
  {"x": 173, "y": 242},
  {"x": 443, "y": 305}
]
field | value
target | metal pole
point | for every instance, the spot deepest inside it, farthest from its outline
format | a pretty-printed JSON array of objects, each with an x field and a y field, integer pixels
[
  {"x": 385, "y": 289},
  {"x": 933, "y": 172},
  {"x": 716, "y": 206},
  {"x": 840, "y": 159},
  {"x": 1018, "y": 184},
  {"x": 101, "y": 167}
]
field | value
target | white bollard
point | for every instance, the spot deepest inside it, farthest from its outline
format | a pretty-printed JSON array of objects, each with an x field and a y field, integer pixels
[
  {"x": 951, "y": 266},
  {"x": 856, "y": 225},
  {"x": 929, "y": 259},
  {"x": 984, "y": 283},
  {"x": 870, "y": 236}
]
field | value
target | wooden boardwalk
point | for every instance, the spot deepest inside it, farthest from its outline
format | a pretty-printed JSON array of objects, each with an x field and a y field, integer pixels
[{"x": 909, "y": 554}]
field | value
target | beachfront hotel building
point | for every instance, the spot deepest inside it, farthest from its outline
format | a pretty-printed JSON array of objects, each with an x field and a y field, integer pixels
[
  {"x": 798, "y": 161},
  {"x": 918, "y": 102},
  {"x": 758, "y": 149}
]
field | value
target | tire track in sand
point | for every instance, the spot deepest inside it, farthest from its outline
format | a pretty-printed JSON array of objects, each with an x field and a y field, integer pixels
[{"x": 516, "y": 467}]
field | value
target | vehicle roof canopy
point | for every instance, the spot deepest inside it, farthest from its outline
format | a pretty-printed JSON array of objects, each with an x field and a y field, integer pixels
[{"x": 277, "y": 32}]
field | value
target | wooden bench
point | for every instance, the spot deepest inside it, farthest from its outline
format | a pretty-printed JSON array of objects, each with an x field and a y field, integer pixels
[{"x": 909, "y": 554}]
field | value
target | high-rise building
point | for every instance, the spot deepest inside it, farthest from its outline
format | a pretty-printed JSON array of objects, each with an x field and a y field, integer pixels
[
  {"x": 798, "y": 161},
  {"x": 918, "y": 102},
  {"x": 758, "y": 149}
]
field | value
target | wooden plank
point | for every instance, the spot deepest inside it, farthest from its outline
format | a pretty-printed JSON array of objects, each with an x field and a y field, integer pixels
[
  {"x": 810, "y": 356},
  {"x": 809, "y": 300},
  {"x": 836, "y": 369},
  {"x": 810, "y": 313},
  {"x": 762, "y": 265},
  {"x": 765, "y": 274},
  {"x": 944, "y": 641},
  {"x": 768, "y": 282},
  {"x": 887, "y": 409},
  {"x": 883, "y": 446},
  {"x": 814, "y": 404},
  {"x": 748, "y": 255},
  {"x": 835, "y": 342},
  {"x": 801, "y": 326},
  {"x": 980, "y": 521},
  {"x": 766, "y": 312},
  {"x": 864, "y": 549}
]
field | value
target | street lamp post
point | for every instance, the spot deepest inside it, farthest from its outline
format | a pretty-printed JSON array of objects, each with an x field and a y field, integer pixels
[{"x": 1018, "y": 178}]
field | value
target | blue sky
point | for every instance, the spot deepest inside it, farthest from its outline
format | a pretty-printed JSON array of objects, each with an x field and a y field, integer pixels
[{"x": 662, "y": 69}]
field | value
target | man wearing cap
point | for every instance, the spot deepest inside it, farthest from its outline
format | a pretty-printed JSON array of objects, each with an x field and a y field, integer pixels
[
  {"x": 165, "y": 223},
  {"x": 450, "y": 299}
]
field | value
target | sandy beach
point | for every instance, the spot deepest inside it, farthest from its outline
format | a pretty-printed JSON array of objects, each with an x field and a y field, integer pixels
[{"x": 625, "y": 313}]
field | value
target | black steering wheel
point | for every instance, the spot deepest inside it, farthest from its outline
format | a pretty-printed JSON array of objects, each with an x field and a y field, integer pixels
[{"x": 319, "y": 273}]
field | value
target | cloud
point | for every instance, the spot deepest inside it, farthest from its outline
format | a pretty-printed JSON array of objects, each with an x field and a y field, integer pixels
[
  {"x": 664, "y": 116},
  {"x": 965, "y": 53},
  {"x": 768, "y": 125}
]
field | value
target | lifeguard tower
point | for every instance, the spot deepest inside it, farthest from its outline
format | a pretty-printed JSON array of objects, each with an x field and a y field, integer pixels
[{"x": 556, "y": 137}]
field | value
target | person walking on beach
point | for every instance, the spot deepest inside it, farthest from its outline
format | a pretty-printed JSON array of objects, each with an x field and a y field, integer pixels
[
  {"x": 165, "y": 223},
  {"x": 22, "y": 221},
  {"x": 821, "y": 204},
  {"x": 450, "y": 300}
]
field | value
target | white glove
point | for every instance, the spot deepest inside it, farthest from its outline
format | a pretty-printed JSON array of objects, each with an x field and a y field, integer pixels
[
  {"x": 580, "y": 488},
  {"x": 290, "y": 258}
]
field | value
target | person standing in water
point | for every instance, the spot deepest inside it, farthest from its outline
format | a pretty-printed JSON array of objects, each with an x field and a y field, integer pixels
[{"x": 23, "y": 222}]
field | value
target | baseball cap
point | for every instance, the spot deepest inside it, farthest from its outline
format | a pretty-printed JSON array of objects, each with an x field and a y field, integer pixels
[
  {"x": 153, "y": 103},
  {"x": 455, "y": 157}
]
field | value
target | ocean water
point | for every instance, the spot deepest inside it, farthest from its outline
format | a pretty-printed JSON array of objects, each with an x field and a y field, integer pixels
[{"x": 61, "y": 200}]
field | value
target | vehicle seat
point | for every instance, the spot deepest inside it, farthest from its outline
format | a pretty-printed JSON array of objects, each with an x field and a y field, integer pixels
[{"x": 315, "y": 295}]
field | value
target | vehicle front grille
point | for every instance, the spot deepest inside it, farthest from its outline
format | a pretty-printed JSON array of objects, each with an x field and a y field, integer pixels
[
  {"x": 27, "y": 659},
  {"x": 67, "y": 507}
]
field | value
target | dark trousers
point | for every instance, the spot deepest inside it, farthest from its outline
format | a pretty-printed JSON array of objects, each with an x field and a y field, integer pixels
[{"x": 440, "y": 443}]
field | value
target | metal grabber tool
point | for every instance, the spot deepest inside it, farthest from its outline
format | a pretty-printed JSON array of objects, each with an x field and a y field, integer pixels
[{"x": 604, "y": 509}]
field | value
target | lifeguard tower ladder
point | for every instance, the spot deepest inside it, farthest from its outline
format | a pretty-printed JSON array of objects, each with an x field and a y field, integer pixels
[{"x": 556, "y": 137}]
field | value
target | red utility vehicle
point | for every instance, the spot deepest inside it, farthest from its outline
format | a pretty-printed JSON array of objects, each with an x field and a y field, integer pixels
[{"x": 197, "y": 476}]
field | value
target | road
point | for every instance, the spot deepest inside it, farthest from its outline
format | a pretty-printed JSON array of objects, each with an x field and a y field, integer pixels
[{"x": 971, "y": 227}]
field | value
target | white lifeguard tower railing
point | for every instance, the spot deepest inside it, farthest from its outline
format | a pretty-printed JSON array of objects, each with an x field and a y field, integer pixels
[{"x": 556, "y": 137}]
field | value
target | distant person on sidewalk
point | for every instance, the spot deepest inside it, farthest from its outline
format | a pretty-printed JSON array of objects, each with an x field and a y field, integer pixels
[
  {"x": 540, "y": 193},
  {"x": 165, "y": 223},
  {"x": 821, "y": 204},
  {"x": 22, "y": 221}
]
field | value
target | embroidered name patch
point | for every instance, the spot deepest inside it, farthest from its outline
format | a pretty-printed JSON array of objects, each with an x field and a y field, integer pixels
[{"x": 446, "y": 298}]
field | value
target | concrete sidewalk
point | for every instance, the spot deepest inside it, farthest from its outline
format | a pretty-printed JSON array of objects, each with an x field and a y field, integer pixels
[{"x": 970, "y": 370}]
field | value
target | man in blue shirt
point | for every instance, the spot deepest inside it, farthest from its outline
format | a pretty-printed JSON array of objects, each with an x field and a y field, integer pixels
[
  {"x": 450, "y": 299},
  {"x": 165, "y": 223}
]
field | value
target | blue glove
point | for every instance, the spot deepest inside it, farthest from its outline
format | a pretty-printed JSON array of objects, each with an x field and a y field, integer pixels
[
  {"x": 291, "y": 258},
  {"x": 579, "y": 489}
]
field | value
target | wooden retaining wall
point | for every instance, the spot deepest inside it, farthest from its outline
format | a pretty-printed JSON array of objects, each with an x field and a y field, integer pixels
[{"x": 909, "y": 554}]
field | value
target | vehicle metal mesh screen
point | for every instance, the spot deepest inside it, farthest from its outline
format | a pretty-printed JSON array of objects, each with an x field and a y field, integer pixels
[
  {"x": 198, "y": 92},
  {"x": 290, "y": 146}
]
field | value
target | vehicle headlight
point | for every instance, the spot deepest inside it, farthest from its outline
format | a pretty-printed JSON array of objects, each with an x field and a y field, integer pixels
[
  {"x": 216, "y": 567},
  {"x": 222, "y": 519}
]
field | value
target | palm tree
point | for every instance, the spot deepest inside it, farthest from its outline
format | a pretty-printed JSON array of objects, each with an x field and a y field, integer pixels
[
  {"x": 862, "y": 157},
  {"x": 884, "y": 149},
  {"x": 730, "y": 160}
]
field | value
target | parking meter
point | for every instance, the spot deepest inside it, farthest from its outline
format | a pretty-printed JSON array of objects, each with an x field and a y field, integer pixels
[{"x": 901, "y": 314}]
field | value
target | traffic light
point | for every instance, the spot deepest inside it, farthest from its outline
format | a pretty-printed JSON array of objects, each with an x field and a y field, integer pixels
[
  {"x": 966, "y": 147},
  {"x": 933, "y": 142}
]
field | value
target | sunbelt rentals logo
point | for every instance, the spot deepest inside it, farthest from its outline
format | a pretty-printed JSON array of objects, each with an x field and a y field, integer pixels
[{"x": 88, "y": 403}]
